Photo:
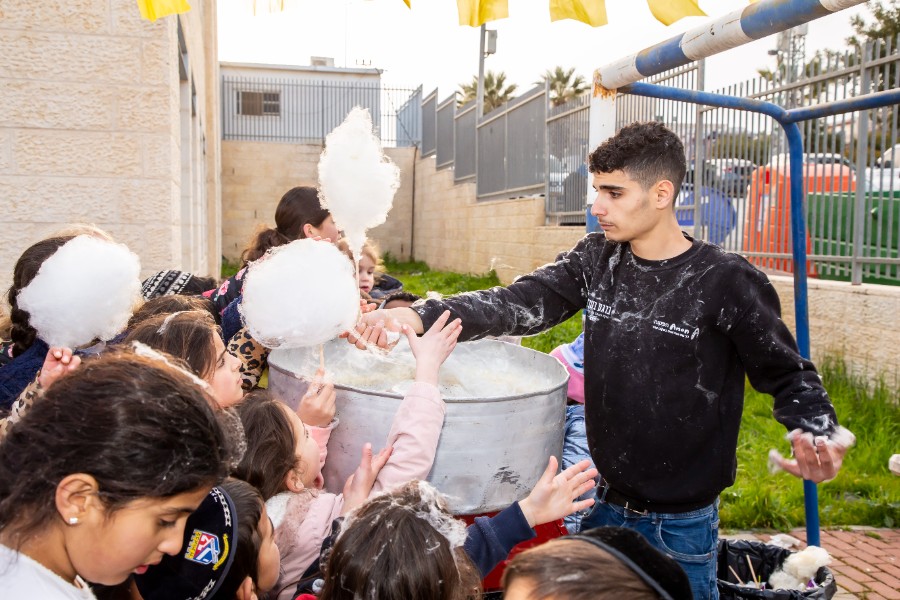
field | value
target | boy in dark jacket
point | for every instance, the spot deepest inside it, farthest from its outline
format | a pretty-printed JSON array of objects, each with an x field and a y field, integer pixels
[{"x": 672, "y": 327}]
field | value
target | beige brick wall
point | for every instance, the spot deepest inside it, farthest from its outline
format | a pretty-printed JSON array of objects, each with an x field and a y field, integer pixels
[
  {"x": 860, "y": 323},
  {"x": 256, "y": 174},
  {"x": 454, "y": 232},
  {"x": 90, "y": 128}
]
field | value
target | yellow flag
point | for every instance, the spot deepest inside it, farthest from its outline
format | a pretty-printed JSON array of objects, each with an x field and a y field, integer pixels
[
  {"x": 407, "y": 2},
  {"x": 669, "y": 11},
  {"x": 154, "y": 9},
  {"x": 477, "y": 12},
  {"x": 592, "y": 12}
]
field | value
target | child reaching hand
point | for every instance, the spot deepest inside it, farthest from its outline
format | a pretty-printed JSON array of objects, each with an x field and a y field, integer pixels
[{"x": 284, "y": 456}]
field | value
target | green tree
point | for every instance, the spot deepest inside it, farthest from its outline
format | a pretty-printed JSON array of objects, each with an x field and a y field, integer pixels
[
  {"x": 563, "y": 84},
  {"x": 496, "y": 91},
  {"x": 885, "y": 27}
]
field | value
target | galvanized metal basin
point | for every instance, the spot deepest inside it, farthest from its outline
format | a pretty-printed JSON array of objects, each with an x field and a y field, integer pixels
[{"x": 492, "y": 450}]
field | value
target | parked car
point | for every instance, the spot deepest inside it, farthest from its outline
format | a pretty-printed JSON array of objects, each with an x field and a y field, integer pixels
[
  {"x": 815, "y": 158},
  {"x": 884, "y": 176},
  {"x": 728, "y": 176},
  {"x": 720, "y": 192}
]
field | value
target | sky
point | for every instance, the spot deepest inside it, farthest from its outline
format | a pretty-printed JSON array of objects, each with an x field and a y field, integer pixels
[{"x": 425, "y": 45}]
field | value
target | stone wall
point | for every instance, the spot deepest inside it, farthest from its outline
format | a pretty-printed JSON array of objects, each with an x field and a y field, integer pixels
[
  {"x": 256, "y": 174},
  {"x": 91, "y": 129},
  {"x": 454, "y": 232},
  {"x": 858, "y": 323}
]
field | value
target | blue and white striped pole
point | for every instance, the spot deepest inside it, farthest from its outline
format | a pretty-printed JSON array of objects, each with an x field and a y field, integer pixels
[{"x": 739, "y": 27}]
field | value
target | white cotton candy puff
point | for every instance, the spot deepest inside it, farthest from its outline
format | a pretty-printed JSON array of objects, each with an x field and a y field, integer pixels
[
  {"x": 357, "y": 181},
  {"x": 785, "y": 581},
  {"x": 300, "y": 294},
  {"x": 86, "y": 290},
  {"x": 805, "y": 564}
]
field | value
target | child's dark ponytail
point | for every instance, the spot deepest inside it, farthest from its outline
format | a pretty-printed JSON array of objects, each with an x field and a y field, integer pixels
[
  {"x": 265, "y": 239},
  {"x": 21, "y": 332},
  {"x": 298, "y": 207}
]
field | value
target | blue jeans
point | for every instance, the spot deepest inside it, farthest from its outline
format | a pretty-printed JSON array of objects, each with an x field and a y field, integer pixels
[
  {"x": 575, "y": 449},
  {"x": 690, "y": 538}
]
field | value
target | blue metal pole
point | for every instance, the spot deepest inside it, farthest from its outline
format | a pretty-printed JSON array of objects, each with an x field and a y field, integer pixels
[
  {"x": 801, "y": 298},
  {"x": 827, "y": 109},
  {"x": 739, "y": 27}
]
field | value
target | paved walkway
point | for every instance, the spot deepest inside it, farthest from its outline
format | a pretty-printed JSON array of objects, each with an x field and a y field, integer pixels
[{"x": 865, "y": 560}]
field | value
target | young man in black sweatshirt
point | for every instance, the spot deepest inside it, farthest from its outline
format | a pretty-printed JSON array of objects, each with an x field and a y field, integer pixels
[{"x": 672, "y": 327}]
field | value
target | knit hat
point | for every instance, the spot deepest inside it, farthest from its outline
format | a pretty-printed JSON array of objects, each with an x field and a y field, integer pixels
[
  {"x": 572, "y": 358},
  {"x": 660, "y": 572},
  {"x": 207, "y": 553},
  {"x": 165, "y": 283}
]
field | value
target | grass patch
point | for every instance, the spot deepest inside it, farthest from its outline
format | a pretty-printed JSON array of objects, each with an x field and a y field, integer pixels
[
  {"x": 864, "y": 493},
  {"x": 419, "y": 279},
  {"x": 229, "y": 268}
]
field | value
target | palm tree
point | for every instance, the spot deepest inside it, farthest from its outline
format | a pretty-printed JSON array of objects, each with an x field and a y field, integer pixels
[
  {"x": 562, "y": 86},
  {"x": 496, "y": 92}
]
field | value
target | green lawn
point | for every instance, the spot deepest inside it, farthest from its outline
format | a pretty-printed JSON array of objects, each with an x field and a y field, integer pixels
[{"x": 865, "y": 492}]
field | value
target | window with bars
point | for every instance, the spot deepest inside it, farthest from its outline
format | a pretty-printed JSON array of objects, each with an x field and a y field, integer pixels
[{"x": 259, "y": 103}]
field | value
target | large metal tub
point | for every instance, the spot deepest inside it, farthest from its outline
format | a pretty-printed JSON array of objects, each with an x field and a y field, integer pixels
[{"x": 492, "y": 450}]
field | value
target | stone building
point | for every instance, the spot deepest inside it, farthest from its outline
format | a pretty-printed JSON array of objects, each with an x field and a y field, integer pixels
[{"x": 109, "y": 119}]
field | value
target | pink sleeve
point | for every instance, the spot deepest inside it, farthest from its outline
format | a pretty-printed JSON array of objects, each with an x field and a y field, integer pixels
[
  {"x": 300, "y": 540},
  {"x": 414, "y": 435},
  {"x": 321, "y": 435}
]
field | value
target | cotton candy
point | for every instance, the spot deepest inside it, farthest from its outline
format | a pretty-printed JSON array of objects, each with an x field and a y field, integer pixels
[
  {"x": 86, "y": 290},
  {"x": 300, "y": 294},
  {"x": 357, "y": 181}
]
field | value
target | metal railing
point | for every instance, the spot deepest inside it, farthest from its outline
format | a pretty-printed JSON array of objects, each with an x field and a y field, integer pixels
[
  {"x": 851, "y": 178},
  {"x": 429, "y": 124},
  {"x": 444, "y": 117},
  {"x": 567, "y": 150},
  {"x": 298, "y": 111},
  {"x": 523, "y": 147},
  {"x": 464, "y": 159},
  {"x": 511, "y": 148}
]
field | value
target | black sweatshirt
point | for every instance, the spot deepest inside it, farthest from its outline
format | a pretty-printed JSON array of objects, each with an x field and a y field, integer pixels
[{"x": 667, "y": 345}]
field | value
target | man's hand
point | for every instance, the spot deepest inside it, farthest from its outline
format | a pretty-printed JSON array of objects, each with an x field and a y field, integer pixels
[
  {"x": 815, "y": 459},
  {"x": 381, "y": 327}
]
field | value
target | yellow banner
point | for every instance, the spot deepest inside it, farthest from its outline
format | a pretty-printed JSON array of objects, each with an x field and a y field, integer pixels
[
  {"x": 407, "y": 3},
  {"x": 669, "y": 11},
  {"x": 592, "y": 12},
  {"x": 477, "y": 12},
  {"x": 154, "y": 9}
]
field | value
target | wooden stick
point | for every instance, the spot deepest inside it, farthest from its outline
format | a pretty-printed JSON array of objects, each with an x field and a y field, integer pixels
[
  {"x": 322, "y": 357},
  {"x": 736, "y": 576},
  {"x": 752, "y": 571}
]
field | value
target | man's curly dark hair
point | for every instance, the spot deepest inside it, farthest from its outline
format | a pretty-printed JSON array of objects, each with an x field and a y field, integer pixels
[{"x": 646, "y": 152}]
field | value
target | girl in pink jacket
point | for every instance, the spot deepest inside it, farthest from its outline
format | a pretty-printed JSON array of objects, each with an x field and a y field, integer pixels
[{"x": 284, "y": 456}]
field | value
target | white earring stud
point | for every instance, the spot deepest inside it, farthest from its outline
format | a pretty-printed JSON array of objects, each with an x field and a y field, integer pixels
[{"x": 73, "y": 520}]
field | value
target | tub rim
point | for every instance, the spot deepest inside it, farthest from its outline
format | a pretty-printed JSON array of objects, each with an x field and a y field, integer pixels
[{"x": 452, "y": 399}]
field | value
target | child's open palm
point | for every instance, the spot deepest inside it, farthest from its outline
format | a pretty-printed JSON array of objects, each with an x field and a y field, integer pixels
[
  {"x": 433, "y": 347},
  {"x": 317, "y": 406},
  {"x": 554, "y": 496}
]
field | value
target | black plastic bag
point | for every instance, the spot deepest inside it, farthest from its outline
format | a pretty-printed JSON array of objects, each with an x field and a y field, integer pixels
[{"x": 766, "y": 560}]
